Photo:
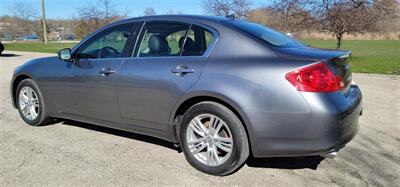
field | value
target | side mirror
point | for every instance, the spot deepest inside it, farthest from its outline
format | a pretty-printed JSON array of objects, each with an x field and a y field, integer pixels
[{"x": 65, "y": 54}]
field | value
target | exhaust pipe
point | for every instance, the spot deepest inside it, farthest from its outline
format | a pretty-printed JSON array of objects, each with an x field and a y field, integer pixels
[{"x": 330, "y": 155}]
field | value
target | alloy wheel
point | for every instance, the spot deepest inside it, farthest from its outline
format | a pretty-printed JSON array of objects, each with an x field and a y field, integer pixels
[
  {"x": 209, "y": 139},
  {"x": 28, "y": 103}
]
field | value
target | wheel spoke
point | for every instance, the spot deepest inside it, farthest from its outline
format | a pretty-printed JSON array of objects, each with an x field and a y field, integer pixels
[
  {"x": 222, "y": 139},
  {"x": 23, "y": 96},
  {"x": 35, "y": 102},
  {"x": 199, "y": 147},
  {"x": 210, "y": 155},
  {"x": 212, "y": 121},
  {"x": 195, "y": 127},
  {"x": 201, "y": 125},
  {"x": 196, "y": 141},
  {"x": 223, "y": 143},
  {"x": 25, "y": 109},
  {"x": 32, "y": 112},
  {"x": 223, "y": 147},
  {"x": 29, "y": 93},
  {"x": 217, "y": 126},
  {"x": 215, "y": 153}
]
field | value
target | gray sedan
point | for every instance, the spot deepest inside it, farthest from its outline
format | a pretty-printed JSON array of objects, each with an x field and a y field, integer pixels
[{"x": 220, "y": 88}]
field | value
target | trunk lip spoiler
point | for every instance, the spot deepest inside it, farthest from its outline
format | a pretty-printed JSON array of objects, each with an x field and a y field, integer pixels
[{"x": 346, "y": 55}]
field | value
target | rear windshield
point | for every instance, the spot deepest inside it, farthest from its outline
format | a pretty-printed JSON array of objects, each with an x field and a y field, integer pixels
[{"x": 266, "y": 34}]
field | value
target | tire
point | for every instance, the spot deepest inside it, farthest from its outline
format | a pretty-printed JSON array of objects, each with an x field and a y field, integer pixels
[
  {"x": 219, "y": 162},
  {"x": 41, "y": 117}
]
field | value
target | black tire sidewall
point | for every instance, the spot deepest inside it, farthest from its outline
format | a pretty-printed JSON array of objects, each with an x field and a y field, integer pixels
[
  {"x": 235, "y": 127},
  {"x": 42, "y": 116}
]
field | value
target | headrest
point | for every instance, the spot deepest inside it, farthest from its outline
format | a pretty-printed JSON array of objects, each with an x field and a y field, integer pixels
[
  {"x": 158, "y": 44},
  {"x": 189, "y": 44}
]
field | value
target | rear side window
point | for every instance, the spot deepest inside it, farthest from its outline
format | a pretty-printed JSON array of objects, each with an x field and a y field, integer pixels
[
  {"x": 197, "y": 41},
  {"x": 264, "y": 33},
  {"x": 173, "y": 39},
  {"x": 162, "y": 39}
]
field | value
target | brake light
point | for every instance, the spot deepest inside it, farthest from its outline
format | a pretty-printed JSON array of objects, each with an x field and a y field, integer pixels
[{"x": 315, "y": 78}]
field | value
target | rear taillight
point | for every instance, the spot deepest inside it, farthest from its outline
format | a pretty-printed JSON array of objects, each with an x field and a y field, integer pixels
[{"x": 315, "y": 78}]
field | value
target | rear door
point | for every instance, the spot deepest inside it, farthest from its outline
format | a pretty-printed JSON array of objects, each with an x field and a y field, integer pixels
[{"x": 169, "y": 58}]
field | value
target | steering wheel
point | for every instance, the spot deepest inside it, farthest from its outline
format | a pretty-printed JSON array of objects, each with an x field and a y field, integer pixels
[{"x": 109, "y": 51}]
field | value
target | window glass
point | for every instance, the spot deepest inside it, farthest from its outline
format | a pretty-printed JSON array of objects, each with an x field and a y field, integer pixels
[
  {"x": 108, "y": 45},
  {"x": 209, "y": 38},
  {"x": 162, "y": 39},
  {"x": 173, "y": 41},
  {"x": 197, "y": 41},
  {"x": 265, "y": 33}
]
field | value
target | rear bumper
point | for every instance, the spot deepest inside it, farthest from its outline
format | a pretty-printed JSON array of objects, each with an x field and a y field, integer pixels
[{"x": 331, "y": 123}]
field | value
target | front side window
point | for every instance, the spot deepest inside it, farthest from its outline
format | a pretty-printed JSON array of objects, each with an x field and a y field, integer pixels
[
  {"x": 174, "y": 39},
  {"x": 109, "y": 44}
]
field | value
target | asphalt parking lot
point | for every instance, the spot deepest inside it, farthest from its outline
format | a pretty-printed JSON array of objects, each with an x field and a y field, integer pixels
[{"x": 72, "y": 153}]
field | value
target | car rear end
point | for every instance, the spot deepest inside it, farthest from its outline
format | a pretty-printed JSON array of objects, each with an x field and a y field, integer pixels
[
  {"x": 322, "y": 78},
  {"x": 334, "y": 99}
]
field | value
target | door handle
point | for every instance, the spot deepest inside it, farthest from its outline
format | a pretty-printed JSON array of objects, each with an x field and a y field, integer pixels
[
  {"x": 106, "y": 71},
  {"x": 182, "y": 70}
]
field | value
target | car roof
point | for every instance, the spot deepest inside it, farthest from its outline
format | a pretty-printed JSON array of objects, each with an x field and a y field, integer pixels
[{"x": 197, "y": 18}]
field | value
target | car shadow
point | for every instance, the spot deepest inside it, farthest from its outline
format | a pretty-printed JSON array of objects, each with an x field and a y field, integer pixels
[
  {"x": 310, "y": 162},
  {"x": 125, "y": 134},
  {"x": 9, "y": 55}
]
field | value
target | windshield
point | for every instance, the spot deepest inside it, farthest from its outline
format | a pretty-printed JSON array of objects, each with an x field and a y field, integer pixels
[{"x": 266, "y": 34}]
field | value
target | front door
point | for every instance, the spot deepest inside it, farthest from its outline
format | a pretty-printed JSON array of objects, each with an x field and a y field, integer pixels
[
  {"x": 169, "y": 59},
  {"x": 90, "y": 90}
]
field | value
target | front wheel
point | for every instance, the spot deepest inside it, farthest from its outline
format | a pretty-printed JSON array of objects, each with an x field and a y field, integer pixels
[
  {"x": 30, "y": 103},
  {"x": 213, "y": 139}
]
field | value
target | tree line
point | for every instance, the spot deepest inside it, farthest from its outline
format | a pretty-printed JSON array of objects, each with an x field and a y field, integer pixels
[{"x": 337, "y": 17}]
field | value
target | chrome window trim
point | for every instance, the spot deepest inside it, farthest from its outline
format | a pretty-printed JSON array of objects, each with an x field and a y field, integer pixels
[
  {"x": 139, "y": 36},
  {"x": 115, "y": 58},
  {"x": 184, "y": 40},
  {"x": 167, "y": 57}
]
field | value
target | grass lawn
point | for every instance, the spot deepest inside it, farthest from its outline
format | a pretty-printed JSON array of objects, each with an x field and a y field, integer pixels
[
  {"x": 37, "y": 46},
  {"x": 369, "y": 56}
]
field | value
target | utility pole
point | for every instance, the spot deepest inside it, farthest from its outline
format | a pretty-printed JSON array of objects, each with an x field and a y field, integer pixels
[{"x": 44, "y": 23}]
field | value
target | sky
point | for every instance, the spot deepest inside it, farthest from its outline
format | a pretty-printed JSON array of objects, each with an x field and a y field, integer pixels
[{"x": 63, "y": 9}]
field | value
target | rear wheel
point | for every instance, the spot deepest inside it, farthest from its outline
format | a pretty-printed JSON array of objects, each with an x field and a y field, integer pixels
[
  {"x": 30, "y": 103},
  {"x": 213, "y": 139}
]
